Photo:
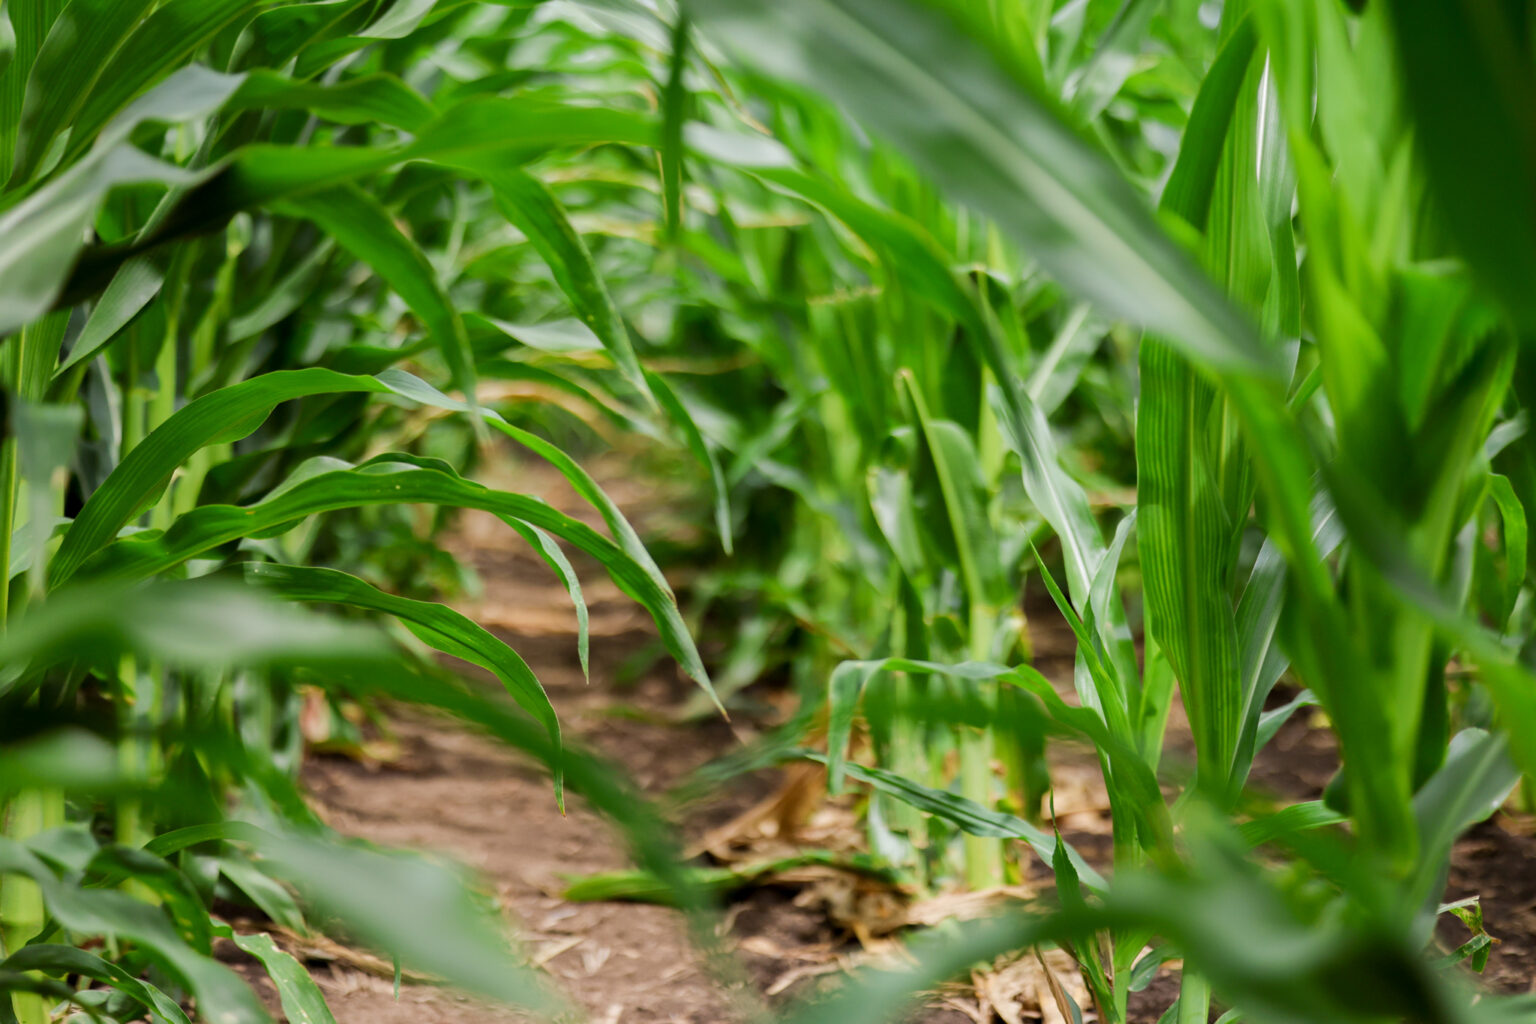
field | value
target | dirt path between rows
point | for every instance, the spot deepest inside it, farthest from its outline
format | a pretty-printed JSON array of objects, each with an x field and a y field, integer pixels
[{"x": 451, "y": 792}]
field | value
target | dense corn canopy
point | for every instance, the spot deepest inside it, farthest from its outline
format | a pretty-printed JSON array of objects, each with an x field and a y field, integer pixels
[{"x": 1203, "y": 324}]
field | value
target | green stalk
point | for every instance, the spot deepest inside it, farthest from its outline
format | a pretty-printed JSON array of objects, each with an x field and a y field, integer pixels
[
  {"x": 143, "y": 693},
  {"x": 1194, "y": 998},
  {"x": 904, "y": 753},
  {"x": 21, "y": 901},
  {"x": 8, "y": 489},
  {"x": 984, "y": 856},
  {"x": 142, "y": 411},
  {"x": 22, "y": 913},
  {"x": 161, "y": 405},
  {"x": 183, "y": 497}
]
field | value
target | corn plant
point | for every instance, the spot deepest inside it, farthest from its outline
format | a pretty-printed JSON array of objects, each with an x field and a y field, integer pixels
[
  {"x": 225, "y": 226},
  {"x": 1242, "y": 427}
]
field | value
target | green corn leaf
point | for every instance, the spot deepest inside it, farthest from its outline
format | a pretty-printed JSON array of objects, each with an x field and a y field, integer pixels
[
  {"x": 204, "y": 624},
  {"x": 895, "y": 511},
  {"x": 1470, "y": 913},
  {"x": 1516, "y": 536},
  {"x": 167, "y": 843},
  {"x": 62, "y": 959},
  {"x": 1300, "y": 817},
  {"x": 908, "y": 252},
  {"x": 25, "y": 29},
  {"x": 362, "y": 226},
  {"x": 7, "y": 43},
  {"x": 580, "y": 480},
  {"x": 163, "y": 42},
  {"x": 1192, "y": 480},
  {"x": 1189, "y": 190},
  {"x": 1103, "y": 610},
  {"x": 41, "y": 236},
  {"x": 1061, "y": 500},
  {"x": 1069, "y": 890},
  {"x": 1474, "y": 781},
  {"x": 674, "y": 104},
  {"x": 224, "y": 416},
  {"x": 284, "y": 298},
  {"x": 645, "y": 887},
  {"x": 527, "y": 203},
  {"x": 266, "y": 893},
  {"x": 276, "y": 35},
  {"x": 960, "y": 482},
  {"x": 1132, "y": 775},
  {"x": 967, "y": 815},
  {"x": 84, "y": 37},
  {"x": 51, "y": 992},
  {"x": 844, "y": 691},
  {"x": 526, "y": 128},
  {"x": 558, "y": 337},
  {"x": 514, "y": 130},
  {"x": 703, "y": 452},
  {"x": 1056, "y": 374},
  {"x": 434, "y": 624},
  {"x": 401, "y": 19},
  {"x": 221, "y": 995},
  {"x": 1268, "y": 723},
  {"x": 46, "y": 437},
  {"x": 232, "y": 413},
  {"x": 68, "y": 759},
  {"x": 916, "y": 74},
  {"x": 1467, "y": 75},
  {"x": 431, "y": 923},
  {"x": 327, "y": 485},
  {"x": 303, "y": 1002},
  {"x": 1106, "y": 695},
  {"x": 136, "y": 284},
  {"x": 1113, "y": 61},
  {"x": 1258, "y": 621},
  {"x": 1185, "y": 540},
  {"x": 172, "y": 889},
  {"x": 211, "y": 625},
  {"x": 236, "y": 411},
  {"x": 555, "y": 558},
  {"x": 382, "y": 99},
  {"x": 43, "y": 232}
]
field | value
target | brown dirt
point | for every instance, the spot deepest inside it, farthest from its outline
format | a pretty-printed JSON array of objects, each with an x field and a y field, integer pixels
[
  {"x": 449, "y": 791},
  {"x": 1495, "y": 862},
  {"x": 455, "y": 793}
]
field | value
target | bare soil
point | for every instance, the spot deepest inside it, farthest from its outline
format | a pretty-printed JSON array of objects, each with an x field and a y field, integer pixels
[{"x": 452, "y": 792}]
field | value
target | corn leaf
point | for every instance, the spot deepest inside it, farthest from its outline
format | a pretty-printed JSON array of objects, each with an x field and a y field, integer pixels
[
  {"x": 1467, "y": 74},
  {"x": 915, "y": 73},
  {"x": 81, "y": 41},
  {"x": 361, "y": 225},
  {"x": 434, "y": 624},
  {"x": 221, "y": 995},
  {"x": 303, "y": 1002},
  {"x": 327, "y": 485},
  {"x": 69, "y": 960}
]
